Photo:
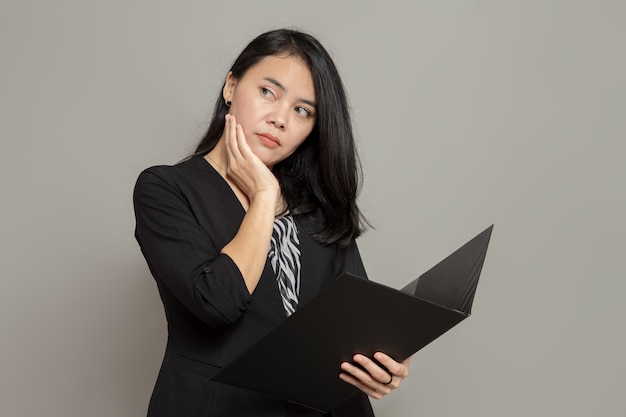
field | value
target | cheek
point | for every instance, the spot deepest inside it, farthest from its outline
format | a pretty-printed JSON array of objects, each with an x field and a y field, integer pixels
[{"x": 245, "y": 109}]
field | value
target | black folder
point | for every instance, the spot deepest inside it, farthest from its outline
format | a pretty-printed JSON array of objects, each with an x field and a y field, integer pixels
[{"x": 299, "y": 361}]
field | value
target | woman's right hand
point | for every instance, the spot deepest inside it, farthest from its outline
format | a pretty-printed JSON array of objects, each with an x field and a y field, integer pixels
[
  {"x": 246, "y": 171},
  {"x": 245, "y": 168}
]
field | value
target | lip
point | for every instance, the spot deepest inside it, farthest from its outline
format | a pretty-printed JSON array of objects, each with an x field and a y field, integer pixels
[{"x": 269, "y": 140}]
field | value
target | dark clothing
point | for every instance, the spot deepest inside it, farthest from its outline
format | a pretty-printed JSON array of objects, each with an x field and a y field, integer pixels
[{"x": 185, "y": 215}]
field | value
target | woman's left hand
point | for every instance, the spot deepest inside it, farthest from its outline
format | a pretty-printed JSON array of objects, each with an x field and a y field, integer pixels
[{"x": 371, "y": 378}]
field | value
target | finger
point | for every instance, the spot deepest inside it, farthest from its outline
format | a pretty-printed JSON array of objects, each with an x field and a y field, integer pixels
[
  {"x": 242, "y": 143},
  {"x": 375, "y": 386},
  {"x": 363, "y": 381},
  {"x": 231, "y": 138},
  {"x": 395, "y": 368},
  {"x": 382, "y": 376},
  {"x": 359, "y": 373},
  {"x": 372, "y": 392},
  {"x": 229, "y": 151}
]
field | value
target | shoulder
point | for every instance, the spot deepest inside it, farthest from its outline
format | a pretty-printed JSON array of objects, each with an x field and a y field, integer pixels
[
  {"x": 192, "y": 183},
  {"x": 161, "y": 183},
  {"x": 186, "y": 168},
  {"x": 180, "y": 175}
]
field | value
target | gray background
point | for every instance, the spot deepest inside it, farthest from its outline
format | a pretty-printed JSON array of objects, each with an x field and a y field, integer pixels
[{"x": 467, "y": 112}]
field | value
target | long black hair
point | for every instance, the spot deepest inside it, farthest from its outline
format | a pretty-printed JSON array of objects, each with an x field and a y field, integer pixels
[{"x": 320, "y": 180}]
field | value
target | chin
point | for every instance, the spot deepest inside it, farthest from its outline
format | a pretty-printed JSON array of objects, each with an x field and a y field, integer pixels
[{"x": 266, "y": 155}]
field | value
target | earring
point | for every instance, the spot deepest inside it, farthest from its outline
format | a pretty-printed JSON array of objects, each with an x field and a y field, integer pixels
[{"x": 227, "y": 103}]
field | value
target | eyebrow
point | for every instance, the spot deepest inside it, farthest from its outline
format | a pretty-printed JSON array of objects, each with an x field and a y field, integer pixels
[{"x": 282, "y": 87}]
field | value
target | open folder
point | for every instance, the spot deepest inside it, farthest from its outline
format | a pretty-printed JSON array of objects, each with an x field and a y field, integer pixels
[{"x": 300, "y": 360}]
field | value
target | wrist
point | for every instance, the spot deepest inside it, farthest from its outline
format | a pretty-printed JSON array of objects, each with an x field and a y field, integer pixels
[{"x": 267, "y": 197}]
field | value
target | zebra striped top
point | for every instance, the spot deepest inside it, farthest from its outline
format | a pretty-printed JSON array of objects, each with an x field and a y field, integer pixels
[{"x": 284, "y": 256}]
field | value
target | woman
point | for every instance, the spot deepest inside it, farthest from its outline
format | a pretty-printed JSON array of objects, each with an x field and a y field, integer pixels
[{"x": 258, "y": 221}]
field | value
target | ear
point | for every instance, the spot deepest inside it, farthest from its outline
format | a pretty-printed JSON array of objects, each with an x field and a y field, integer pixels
[{"x": 229, "y": 87}]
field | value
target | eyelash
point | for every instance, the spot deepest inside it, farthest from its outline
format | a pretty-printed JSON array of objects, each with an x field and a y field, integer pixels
[
  {"x": 265, "y": 91},
  {"x": 306, "y": 112}
]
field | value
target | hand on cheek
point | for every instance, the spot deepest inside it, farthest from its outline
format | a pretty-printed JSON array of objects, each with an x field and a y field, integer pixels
[{"x": 244, "y": 167}]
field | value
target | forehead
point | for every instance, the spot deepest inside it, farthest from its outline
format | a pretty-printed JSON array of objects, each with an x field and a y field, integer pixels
[{"x": 291, "y": 71}]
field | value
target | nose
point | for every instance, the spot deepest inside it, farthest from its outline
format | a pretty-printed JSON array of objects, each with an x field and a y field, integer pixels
[{"x": 278, "y": 116}]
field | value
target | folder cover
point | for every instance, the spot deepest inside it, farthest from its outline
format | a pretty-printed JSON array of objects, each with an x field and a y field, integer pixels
[{"x": 299, "y": 361}]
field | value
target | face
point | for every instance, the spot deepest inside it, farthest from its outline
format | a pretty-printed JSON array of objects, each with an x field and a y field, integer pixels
[{"x": 274, "y": 102}]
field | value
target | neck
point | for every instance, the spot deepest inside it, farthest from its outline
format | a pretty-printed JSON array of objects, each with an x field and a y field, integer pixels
[{"x": 218, "y": 158}]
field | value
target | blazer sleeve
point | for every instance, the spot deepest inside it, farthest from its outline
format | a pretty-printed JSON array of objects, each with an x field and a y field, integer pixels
[{"x": 180, "y": 253}]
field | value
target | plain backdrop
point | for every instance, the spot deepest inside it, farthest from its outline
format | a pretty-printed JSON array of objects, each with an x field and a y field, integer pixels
[{"x": 467, "y": 113}]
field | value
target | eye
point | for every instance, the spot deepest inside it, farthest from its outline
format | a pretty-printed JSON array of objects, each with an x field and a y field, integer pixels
[
  {"x": 267, "y": 92},
  {"x": 303, "y": 111}
]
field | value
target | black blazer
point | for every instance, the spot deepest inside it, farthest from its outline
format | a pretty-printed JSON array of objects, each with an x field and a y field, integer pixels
[{"x": 184, "y": 215}]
